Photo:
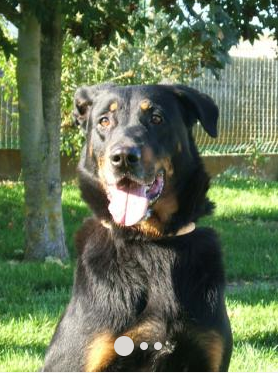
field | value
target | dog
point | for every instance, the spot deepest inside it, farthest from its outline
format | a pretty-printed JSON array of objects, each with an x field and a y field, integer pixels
[{"x": 144, "y": 270}]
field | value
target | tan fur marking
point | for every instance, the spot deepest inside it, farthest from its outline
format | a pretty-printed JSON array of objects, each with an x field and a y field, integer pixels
[
  {"x": 101, "y": 166},
  {"x": 150, "y": 227},
  {"x": 147, "y": 155},
  {"x": 101, "y": 162},
  {"x": 146, "y": 331},
  {"x": 167, "y": 165},
  {"x": 91, "y": 150},
  {"x": 102, "y": 171},
  {"x": 113, "y": 106},
  {"x": 145, "y": 105},
  {"x": 166, "y": 207},
  {"x": 100, "y": 353},
  {"x": 167, "y": 204},
  {"x": 212, "y": 344}
]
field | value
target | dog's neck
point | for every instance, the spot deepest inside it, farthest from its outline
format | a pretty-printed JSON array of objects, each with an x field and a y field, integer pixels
[{"x": 186, "y": 229}]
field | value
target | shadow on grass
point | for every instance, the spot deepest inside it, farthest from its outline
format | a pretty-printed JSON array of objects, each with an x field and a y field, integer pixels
[
  {"x": 252, "y": 294},
  {"x": 40, "y": 290},
  {"x": 261, "y": 216},
  {"x": 260, "y": 341},
  {"x": 264, "y": 340},
  {"x": 30, "y": 348},
  {"x": 244, "y": 184}
]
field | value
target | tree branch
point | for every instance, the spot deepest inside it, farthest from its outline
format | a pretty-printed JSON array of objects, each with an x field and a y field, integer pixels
[{"x": 9, "y": 12}]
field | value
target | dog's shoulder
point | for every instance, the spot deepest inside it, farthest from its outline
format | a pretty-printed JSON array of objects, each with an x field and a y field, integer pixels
[
  {"x": 199, "y": 245},
  {"x": 199, "y": 259},
  {"x": 204, "y": 254},
  {"x": 199, "y": 275}
]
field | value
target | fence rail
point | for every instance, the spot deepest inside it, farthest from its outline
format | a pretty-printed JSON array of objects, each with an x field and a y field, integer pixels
[{"x": 247, "y": 96}]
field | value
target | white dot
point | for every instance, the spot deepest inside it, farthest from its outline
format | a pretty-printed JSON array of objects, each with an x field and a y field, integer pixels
[
  {"x": 124, "y": 346},
  {"x": 144, "y": 346},
  {"x": 158, "y": 346}
]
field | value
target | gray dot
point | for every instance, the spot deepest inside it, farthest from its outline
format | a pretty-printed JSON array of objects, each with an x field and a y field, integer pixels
[
  {"x": 144, "y": 346},
  {"x": 158, "y": 346},
  {"x": 124, "y": 346}
]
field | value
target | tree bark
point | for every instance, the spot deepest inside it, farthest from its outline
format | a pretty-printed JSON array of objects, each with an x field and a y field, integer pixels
[{"x": 39, "y": 119}]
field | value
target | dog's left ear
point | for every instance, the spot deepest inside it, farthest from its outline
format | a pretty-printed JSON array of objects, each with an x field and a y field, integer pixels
[
  {"x": 82, "y": 105},
  {"x": 84, "y": 99},
  {"x": 202, "y": 106}
]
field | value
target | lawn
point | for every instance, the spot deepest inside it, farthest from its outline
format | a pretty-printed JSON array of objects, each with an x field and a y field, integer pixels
[{"x": 33, "y": 296}]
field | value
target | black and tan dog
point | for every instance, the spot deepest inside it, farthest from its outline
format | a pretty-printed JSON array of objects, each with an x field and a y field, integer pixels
[{"x": 144, "y": 270}]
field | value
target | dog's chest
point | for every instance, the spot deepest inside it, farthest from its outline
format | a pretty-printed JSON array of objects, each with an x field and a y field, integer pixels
[{"x": 136, "y": 281}]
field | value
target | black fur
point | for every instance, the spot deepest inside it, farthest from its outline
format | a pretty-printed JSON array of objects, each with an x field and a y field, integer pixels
[{"x": 124, "y": 276}]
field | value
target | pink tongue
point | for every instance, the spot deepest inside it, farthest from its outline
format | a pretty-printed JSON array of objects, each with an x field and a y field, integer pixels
[{"x": 127, "y": 206}]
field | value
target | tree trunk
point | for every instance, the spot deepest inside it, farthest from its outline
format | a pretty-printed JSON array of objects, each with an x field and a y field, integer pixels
[{"x": 39, "y": 119}]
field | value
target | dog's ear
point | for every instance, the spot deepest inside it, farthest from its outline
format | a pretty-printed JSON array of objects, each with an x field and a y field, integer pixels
[
  {"x": 203, "y": 107},
  {"x": 83, "y": 101}
]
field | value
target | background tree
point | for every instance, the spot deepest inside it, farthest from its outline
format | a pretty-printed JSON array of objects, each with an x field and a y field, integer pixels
[
  {"x": 207, "y": 28},
  {"x": 40, "y": 31}
]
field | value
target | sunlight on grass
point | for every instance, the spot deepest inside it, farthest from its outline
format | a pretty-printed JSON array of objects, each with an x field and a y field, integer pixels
[
  {"x": 247, "y": 358},
  {"x": 20, "y": 360},
  {"x": 242, "y": 199},
  {"x": 23, "y": 341},
  {"x": 253, "y": 312}
]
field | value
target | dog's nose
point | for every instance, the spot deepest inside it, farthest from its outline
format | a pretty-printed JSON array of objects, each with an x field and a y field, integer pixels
[{"x": 125, "y": 157}]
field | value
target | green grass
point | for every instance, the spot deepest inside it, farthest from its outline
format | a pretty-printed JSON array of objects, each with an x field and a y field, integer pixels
[
  {"x": 33, "y": 296},
  {"x": 253, "y": 311},
  {"x": 246, "y": 217}
]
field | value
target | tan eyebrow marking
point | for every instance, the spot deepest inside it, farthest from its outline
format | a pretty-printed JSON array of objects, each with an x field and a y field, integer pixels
[
  {"x": 145, "y": 104},
  {"x": 113, "y": 106}
]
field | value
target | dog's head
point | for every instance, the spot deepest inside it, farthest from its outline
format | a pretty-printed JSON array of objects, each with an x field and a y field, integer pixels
[{"x": 139, "y": 154}]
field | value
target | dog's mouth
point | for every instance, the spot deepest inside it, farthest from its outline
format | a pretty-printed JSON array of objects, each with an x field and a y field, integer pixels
[{"x": 131, "y": 199}]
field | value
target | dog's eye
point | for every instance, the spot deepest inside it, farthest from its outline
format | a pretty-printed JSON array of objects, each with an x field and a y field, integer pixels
[
  {"x": 104, "y": 122},
  {"x": 156, "y": 119}
]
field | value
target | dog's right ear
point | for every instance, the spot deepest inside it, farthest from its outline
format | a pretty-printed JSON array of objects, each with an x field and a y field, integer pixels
[{"x": 83, "y": 101}]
